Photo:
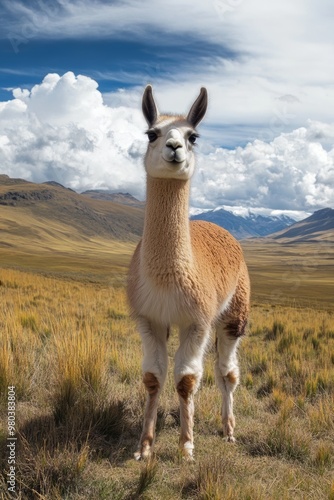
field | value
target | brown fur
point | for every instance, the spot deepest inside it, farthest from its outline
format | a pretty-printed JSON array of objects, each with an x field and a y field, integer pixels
[
  {"x": 151, "y": 383},
  {"x": 147, "y": 438},
  {"x": 232, "y": 378},
  {"x": 202, "y": 260},
  {"x": 236, "y": 328},
  {"x": 186, "y": 386},
  {"x": 147, "y": 442}
]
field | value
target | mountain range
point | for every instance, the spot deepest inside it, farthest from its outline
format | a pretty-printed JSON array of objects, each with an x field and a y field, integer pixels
[
  {"x": 241, "y": 226},
  {"x": 247, "y": 226},
  {"x": 49, "y": 215}
]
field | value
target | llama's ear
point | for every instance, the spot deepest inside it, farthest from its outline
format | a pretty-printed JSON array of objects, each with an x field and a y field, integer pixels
[
  {"x": 149, "y": 107},
  {"x": 198, "y": 109}
]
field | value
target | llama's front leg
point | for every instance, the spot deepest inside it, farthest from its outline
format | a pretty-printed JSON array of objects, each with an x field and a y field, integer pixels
[
  {"x": 188, "y": 373},
  {"x": 155, "y": 361}
]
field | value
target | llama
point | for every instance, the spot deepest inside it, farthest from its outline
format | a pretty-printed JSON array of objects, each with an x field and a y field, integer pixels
[{"x": 188, "y": 274}]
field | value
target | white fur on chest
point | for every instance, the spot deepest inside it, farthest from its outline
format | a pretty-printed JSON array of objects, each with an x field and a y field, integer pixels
[
  {"x": 164, "y": 305},
  {"x": 170, "y": 305}
]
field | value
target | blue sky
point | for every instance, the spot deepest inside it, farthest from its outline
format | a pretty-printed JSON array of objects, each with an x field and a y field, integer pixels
[
  {"x": 114, "y": 59},
  {"x": 113, "y": 63},
  {"x": 267, "y": 66}
]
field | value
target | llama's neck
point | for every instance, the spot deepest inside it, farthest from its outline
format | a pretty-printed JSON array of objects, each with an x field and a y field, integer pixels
[{"x": 166, "y": 244}]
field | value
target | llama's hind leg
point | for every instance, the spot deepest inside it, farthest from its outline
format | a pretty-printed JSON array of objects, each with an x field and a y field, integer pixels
[
  {"x": 231, "y": 326},
  {"x": 227, "y": 375},
  {"x": 155, "y": 361},
  {"x": 229, "y": 330}
]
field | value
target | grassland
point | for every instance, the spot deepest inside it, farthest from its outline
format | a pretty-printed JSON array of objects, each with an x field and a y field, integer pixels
[
  {"x": 70, "y": 349},
  {"x": 291, "y": 274}
]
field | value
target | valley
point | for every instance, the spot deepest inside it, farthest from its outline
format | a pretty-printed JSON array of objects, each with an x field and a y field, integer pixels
[{"x": 50, "y": 229}]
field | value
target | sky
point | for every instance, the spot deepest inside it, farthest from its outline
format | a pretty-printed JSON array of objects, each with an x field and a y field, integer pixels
[{"x": 72, "y": 75}]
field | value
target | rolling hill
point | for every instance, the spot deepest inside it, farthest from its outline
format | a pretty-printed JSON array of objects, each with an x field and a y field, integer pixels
[
  {"x": 122, "y": 198},
  {"x": 319, "y": 227},
  {"x": 52, "y": 228},
  {"x": 51, "y": 204}
]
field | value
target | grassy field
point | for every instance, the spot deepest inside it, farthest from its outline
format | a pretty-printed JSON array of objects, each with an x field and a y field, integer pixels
[
  {"x": 300, "y": 274},
  {"x": 68, "y": 346}
]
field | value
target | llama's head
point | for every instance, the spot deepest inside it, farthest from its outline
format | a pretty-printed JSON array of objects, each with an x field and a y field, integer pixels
[{"x": 171, "y": 138}]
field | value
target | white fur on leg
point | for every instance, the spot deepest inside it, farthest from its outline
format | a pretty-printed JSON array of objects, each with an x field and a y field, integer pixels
[
  {"x": 227, "y": 347},
  {"x": 189, "y": 356},
  {"x": 155, "y": 362},
  {"x": 227, "y": 378},
  {"x": 154, "y": 342}
]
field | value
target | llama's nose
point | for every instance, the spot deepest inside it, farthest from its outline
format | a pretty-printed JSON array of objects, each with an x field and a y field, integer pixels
[{"x": 173, "y": 143}]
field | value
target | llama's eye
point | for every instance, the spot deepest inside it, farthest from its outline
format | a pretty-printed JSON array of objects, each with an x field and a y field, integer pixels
[
  {"x": 193, "y": 138},
  {"x": 152, "y": 136}
]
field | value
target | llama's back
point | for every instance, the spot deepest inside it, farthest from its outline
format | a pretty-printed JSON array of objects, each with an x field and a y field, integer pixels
[{"x": 218, "y": 255}]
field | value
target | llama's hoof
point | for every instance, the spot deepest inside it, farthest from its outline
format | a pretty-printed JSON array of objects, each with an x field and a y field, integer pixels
[
  {"x": 144, "y": 453},
  {"x": 186, "y": 452},
  {"x": 229, "y": 439}
]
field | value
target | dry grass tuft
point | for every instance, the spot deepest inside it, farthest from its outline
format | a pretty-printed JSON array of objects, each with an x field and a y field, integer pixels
[
  {"x": 53, "y": 474},
  {"x": 146, "y": 477}
]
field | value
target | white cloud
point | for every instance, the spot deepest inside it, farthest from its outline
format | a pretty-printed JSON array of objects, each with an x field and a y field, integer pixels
[
  {"x": 295, "y": 171},
  {"x": 63, "y": 130}
]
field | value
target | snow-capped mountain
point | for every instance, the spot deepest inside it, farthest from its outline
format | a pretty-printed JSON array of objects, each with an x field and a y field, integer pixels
[{"x": 243, "y": 223}]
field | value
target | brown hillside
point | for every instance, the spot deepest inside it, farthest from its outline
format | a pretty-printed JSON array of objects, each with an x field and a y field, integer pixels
[
  {"x": 319, "y": 227},
  {"x": 49, "y": 228},
  {"x": 122, "y": 198},
  {"x": 49, "y": 204}
]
